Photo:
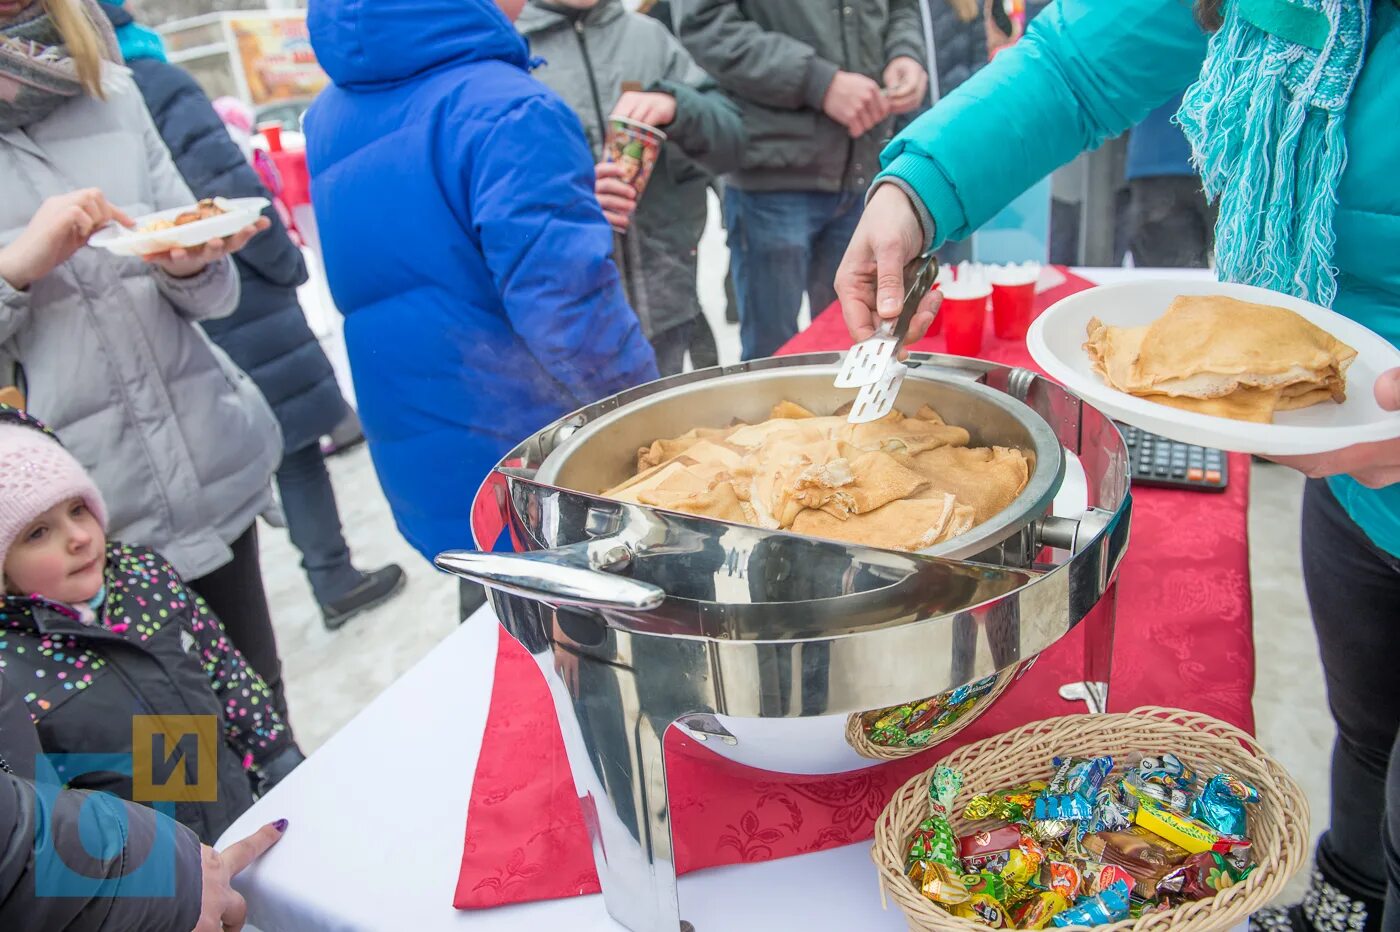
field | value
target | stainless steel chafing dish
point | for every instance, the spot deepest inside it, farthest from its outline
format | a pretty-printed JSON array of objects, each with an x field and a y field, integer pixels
[{"x": 762, "y": 643}]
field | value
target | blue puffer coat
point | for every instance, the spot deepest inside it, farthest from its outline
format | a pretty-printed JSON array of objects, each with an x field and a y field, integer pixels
[
  {"x": 463, "y": 242},
  {"x": 267, "y": 336}
]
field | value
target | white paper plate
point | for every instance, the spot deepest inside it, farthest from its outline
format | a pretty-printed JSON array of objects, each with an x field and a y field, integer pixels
[
  {"x": 238, "y": 213},
  {"x": 1056, "y": 342}
]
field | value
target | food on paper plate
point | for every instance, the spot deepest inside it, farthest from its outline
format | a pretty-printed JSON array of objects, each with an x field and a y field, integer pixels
[
  {"x": 901, "y": 483},
  {"x": 206, "y": 208},
  {"x": 1224, "y": 357}
]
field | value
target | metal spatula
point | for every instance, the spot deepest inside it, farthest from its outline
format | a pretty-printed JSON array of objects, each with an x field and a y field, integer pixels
[
  {"x": 865, "y": 363},
  {"x": 872, "y": 364}
]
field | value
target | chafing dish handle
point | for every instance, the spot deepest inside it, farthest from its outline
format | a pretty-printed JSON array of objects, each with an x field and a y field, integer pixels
[{"x": 565, "y": 576}]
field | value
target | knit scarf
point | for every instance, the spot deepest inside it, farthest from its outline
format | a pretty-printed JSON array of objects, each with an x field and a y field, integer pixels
[
  {"x": 1265, "y": 122},
  {"x": 36, "y": 73}
]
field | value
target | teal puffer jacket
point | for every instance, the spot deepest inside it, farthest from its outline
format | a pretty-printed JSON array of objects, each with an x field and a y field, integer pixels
[{"x": 1089, "y": 69}]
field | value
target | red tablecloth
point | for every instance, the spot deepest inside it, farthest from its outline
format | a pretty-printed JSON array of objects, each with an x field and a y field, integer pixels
[{"x": 1183, "y": 639}]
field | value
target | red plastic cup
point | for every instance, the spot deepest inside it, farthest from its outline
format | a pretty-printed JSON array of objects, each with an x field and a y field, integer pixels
[
  {"x": 1012, "y": 306},
  {"x": 937, "y": 326},
  {"x": 272, "y": 132},
  {"x": 964, "y": 318}
]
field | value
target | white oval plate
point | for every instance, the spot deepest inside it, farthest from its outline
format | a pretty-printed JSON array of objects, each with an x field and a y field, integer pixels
[
  {"x": 238, "y": 213},
  {"x": 1056, "y": 342}
]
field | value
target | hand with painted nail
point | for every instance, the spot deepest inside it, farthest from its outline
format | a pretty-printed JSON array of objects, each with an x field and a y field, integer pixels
[
  {"x": 870, "y": 280},
  {"x": 222, "y": 908},
  {"x": 1374, "y": 465}
]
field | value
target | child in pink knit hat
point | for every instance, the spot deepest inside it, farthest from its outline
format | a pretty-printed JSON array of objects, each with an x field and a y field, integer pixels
[
  {"x": 93, "y": 631},
  {"x": 52, "y": 518}
]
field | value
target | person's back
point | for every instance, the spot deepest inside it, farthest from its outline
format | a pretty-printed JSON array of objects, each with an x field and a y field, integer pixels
[{"x": 464, "y": 245}]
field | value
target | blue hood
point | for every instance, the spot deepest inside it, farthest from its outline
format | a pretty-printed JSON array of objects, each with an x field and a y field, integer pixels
[{"x": 366, "y": 42}]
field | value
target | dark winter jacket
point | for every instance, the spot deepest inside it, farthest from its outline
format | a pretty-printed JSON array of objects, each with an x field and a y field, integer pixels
[
  {"x": 156, "y": 649},
  {"x": 465, "y": 246},
  {"x": 776, "y": 58},
  {"x": 1157, "y": 147},
  {"x": 961, "y": 47},
  {"x": 267, "y": 336},
  {"x": 44, "y": 827},
  {"x": 586, "y": 62}
]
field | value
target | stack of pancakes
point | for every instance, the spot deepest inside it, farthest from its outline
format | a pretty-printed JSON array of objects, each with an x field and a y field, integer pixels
[
  {"x": 1224, "y": 357},
  {"x": 902, "y": 483}
]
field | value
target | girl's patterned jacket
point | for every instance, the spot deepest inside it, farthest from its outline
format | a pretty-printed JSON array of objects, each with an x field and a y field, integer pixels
[{"x": 153, "y": 649}]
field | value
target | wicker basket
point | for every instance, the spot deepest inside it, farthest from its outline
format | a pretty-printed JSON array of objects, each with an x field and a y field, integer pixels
[
  {"x": 857, "y": 738},
  {"x": 1278, "y": 827}
]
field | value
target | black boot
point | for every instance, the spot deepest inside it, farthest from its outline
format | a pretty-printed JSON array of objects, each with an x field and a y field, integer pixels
[
  {"x": 374, "y": 589},
  {"x": 1326, "y": 907}
]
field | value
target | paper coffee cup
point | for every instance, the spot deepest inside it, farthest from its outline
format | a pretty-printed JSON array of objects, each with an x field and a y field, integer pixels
[{"x": 635, "y": 146}]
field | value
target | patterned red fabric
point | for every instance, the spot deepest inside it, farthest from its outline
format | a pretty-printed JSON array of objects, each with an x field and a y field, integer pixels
[{"x": 1183, "y": 639}]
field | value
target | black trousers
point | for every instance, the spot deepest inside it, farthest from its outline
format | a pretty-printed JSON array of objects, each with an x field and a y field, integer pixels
[
  {"x": 235, "y": 592},
  {"x": 1170, "y": 224},
  {"x": 1354, "y": 593}
]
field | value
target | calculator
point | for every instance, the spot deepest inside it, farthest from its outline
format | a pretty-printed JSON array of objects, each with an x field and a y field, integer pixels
[{"x": 1170, "y": 464}]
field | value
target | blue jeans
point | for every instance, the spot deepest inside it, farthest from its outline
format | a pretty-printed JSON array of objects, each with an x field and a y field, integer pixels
[
  {"x": 782, "y": 244},
  {"x": 313, "y": 522}
]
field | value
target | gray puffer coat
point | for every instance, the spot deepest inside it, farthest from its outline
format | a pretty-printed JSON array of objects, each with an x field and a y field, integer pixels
[{"x": 181, "y": 442}]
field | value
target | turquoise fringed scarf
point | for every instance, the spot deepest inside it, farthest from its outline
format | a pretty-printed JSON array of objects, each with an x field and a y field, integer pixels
[{"x": 1265, "y": 125}]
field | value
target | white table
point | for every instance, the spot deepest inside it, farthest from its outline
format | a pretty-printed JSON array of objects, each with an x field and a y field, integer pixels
[
  {"x": 378, "y": 815},
  {"x": 377, "y": 819}
]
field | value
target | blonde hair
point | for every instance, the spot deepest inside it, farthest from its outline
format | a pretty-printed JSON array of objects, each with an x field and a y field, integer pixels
[
  {"x": 82, "y": 40},
  {"x": 966, "y": 9}
]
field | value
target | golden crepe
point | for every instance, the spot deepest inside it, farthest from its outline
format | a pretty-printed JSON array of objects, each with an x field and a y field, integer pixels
[
  {"x": 1221, "y": 356},
  {"x": 903, "y": 483}
]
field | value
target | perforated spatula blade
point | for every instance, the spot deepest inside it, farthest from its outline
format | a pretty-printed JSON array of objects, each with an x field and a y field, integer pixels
[
  {"x": 873, "y": 364},
  {"x": 866, "y": 361},
  {"x": 875, "y": 401}
]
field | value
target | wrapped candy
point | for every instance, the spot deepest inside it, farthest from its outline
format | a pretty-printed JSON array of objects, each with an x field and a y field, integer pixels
[
  {"x": 988, "y": 841},
  {"x": 1013, "y": 804},
  {"x": 1037, "y": 910},
  {"x": 1016, "y": 866},
  {"x": 1046, "y": 831},
  {"x": 1221, "y": 804},
  {"x": 938, "y": 883},
  {"x": 1084, "y": 848},
  {"x": 1107, "y": 907},
  {"x": 933, "y": 840},
  {"x": 1098, "y": 877},
  {"x": 1147, "y": 857},
  {"x": 1163, "y": 797},
  {"x": 1138, "y": 908},
  {"x": 1110, "y": 813},
  {"x": 993, "y": 885},
  {"x": 1072, "y": 793},
  {"x": 1203, "y": 875},
  {"x": 1061, "y": 877},
  {"x": 983, "y": 908},
  {"x": 888, "y": 728},
  {"x": 1181, "y": 830},
  {"x": 1163, "y": 770}
]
